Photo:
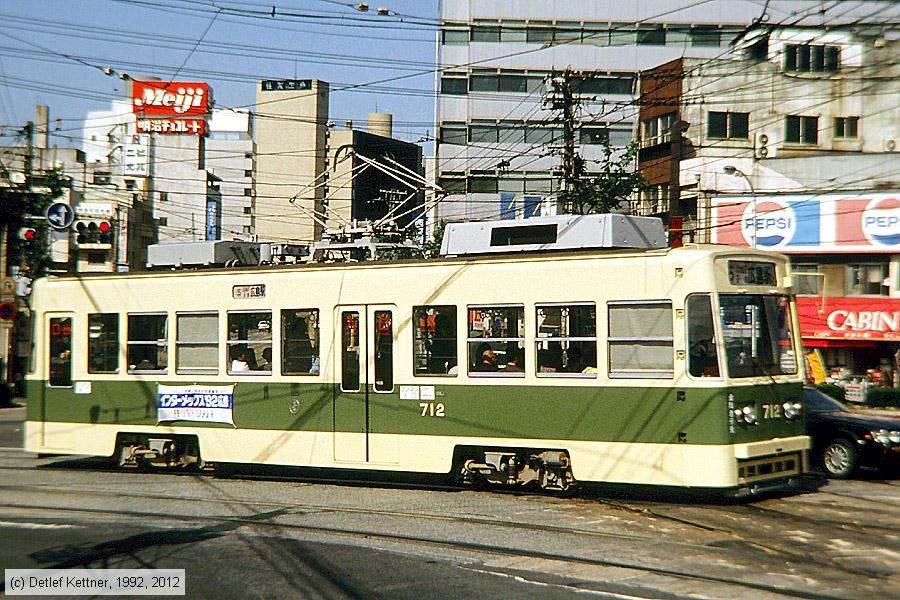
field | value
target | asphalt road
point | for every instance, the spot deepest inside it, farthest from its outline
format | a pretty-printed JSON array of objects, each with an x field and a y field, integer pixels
[
  {"x": 11, "y": 427},
  {"x": 311, "y": 538}
]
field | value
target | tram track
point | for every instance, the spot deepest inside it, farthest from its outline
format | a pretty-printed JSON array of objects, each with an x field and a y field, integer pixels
[
  {"x": 311, "y": 508},
  {"x": 262, "y": 520},
  {"x": 772, "y": 550}
]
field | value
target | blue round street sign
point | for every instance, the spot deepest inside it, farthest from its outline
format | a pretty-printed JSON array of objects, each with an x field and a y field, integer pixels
[{"x": 60, "y": 215}]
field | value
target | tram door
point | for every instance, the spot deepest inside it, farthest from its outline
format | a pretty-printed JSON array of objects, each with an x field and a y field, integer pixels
[{"x": 365, "y": 371}]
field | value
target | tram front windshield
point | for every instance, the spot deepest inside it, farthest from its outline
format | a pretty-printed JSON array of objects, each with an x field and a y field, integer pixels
[{"x": 757, "y": 338}]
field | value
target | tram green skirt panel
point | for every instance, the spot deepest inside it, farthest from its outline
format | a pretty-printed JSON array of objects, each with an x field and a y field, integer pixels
[{"x": 588, "y": 413}]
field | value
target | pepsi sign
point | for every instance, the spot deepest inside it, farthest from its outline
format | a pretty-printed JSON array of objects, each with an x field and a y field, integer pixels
[
  {"x": 803, "y": 223},
  {"x": 881, "y": 222},
  {"x": 770, "y": 222}
]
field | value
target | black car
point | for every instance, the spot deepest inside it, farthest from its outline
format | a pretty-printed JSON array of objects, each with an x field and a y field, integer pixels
[{"x": 844, "y": 440}]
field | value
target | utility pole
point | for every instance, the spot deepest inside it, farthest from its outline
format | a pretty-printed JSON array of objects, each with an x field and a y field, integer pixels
[{"x": 562, "y": 99}]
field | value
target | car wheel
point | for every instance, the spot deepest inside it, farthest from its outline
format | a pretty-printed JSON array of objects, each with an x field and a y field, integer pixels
[{"x": 839, "y": 459}]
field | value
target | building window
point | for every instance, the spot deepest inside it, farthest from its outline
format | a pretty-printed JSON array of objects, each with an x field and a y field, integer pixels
[
  {"x": 566, "y": 339},
  {"x": 482, "y": 185},
  {"x": 806, "y": 278},
  {"x": 248, "y": 192},
  {"x": 434, "y": 340},
  {"x": 657, "y": 130},
  {"x": 811, "y": 58},
  {"x": 846, "y": 127},
  {"x": 867, "y": 280},
  {"x": 197, "y": 343},
  {"x": 454, "y": 36},
  {"x": 705, "y": 36},
  {"x": 486, "y": 33},
  {"x": 458, "y": 86},
  {"x": 728, "y": 125},
  {"x": 248, "y": 210},
  {"x": 248, "y": 172},
  {"x": 147, "y": 343},
  {"x": 513, "y": 31},
  {"x": 163, "y": 221},
  {"x": 164, "y": 196},
  {"x": 300, "y": 342},
  {"x": 484, "y": 134},
  {"x": 621, "y": 85},
  {"x": 801, "y": 130},
  {"x": 453, "y": 185},
  {"x": 539, "y": 32},
  {"x": 247, "y": 229},
  {"x": 651, "y": 37},
  {"x": 453, "y": 133},
  {"x": 640, "y": 339},
  {"x": 496, "y": 339},
  {"x": 250, "y": 342}
]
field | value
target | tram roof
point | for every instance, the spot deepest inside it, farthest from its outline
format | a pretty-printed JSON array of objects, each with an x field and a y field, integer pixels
[{"x": 520, "y": 257}]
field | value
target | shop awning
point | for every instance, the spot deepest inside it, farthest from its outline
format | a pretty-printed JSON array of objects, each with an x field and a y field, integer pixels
[{"x": 849, "y": 321}]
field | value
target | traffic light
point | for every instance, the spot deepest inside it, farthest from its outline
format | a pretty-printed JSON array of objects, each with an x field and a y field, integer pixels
[
  {"x": 93, "y": 232},
  {"x": 28, "y": 234}
]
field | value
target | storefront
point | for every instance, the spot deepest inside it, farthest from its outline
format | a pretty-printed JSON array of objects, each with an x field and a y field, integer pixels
[{"x": 855, "y": 338}]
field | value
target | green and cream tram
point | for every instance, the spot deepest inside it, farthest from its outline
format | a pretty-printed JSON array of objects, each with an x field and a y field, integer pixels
[{"x": 672, "y": 367}]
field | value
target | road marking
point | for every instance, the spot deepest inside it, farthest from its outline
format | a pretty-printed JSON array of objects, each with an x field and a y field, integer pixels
[{"x": 35, "y": 525}]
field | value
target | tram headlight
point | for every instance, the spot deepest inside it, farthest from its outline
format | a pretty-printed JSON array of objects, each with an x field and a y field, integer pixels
[
  {"x": 746, "y": 414},
  {"x": 749, "y": 413},
  {"x": 792, "y": 410}
]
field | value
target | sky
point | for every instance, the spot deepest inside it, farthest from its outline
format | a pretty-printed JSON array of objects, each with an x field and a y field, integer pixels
[{"x": 54, "y": 52}]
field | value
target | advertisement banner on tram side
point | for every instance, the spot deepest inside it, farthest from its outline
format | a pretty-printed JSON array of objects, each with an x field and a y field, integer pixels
[
  {"x": 203, "y": 403},
  {"x": 802, "y": 223},
  {"x": 869, "y": 319}
]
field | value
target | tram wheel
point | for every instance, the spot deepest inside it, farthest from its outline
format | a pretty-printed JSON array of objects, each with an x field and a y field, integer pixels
[{"x": 839, "y": 459}]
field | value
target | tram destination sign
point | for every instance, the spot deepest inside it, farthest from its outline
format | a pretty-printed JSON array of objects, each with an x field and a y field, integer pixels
[{"x": 245, "y": 292}]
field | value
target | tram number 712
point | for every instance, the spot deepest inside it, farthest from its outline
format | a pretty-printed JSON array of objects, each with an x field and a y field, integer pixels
[
  {"x": 771, "y": 411},
  {"x": 432, "y": 409}
]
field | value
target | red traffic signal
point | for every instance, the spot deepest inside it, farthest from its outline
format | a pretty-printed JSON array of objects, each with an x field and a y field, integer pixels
[
  {"x": 93, "y": 232},
  {"x": 28, "y": 234}
]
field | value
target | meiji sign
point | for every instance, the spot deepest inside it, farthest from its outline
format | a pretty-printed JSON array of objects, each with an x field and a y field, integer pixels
[
  {"x": 849, "y": 318},
  {"x": 799, "y": 224},
  {"x": 176, "y": 99}
]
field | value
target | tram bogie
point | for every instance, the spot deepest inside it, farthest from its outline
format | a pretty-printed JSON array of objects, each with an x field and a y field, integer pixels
[
  {"x": 547, "y": 469},
  {"x": 146, "y": 450}
]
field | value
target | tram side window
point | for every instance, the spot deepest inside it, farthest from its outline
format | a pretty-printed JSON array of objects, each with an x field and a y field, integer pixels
[
  {"x": 384, "y": 351},
  {"x": 60, "y": 350},
  {"x": 703, "y": 359},
  {"x": 497, "y": 340},
  {"x": 250, "y": 343},
  {"x": 434, "y": 340},
  {"x": 300, "y": 342},
  {"x": 197, "y": 343},
  {"x": 103, "y": 343},
  {"x": 566, "y": 341},
  {"x": 147, "y": 343},
  {"x": 640, "y": 339}
]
